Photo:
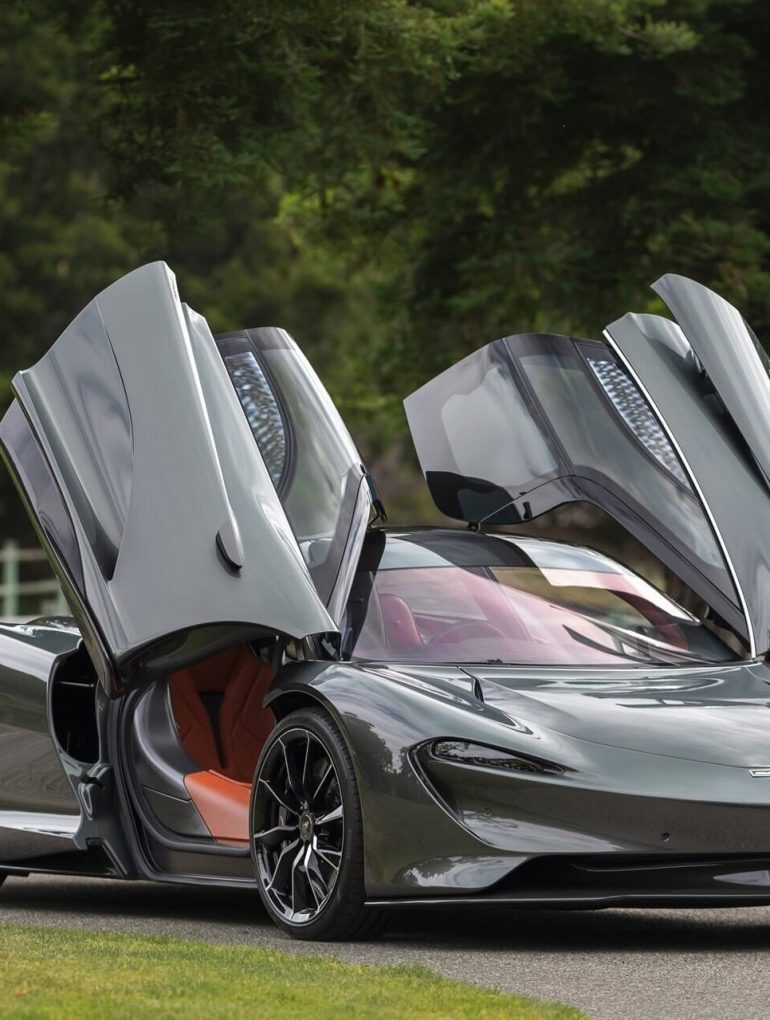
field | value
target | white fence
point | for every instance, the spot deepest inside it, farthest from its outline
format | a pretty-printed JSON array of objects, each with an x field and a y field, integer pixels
[{"x": 24, "y": 596}]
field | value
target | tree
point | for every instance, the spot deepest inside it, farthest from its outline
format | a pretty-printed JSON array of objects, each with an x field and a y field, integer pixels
[
  {"x": 397, "y": 182},
  {"x": 495, "y": 166}
]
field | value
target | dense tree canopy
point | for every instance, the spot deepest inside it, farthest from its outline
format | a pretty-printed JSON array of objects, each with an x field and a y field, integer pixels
[{"x": 396, "y": 182}]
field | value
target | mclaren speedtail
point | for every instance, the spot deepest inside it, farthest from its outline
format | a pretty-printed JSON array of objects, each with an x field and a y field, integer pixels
[{"x": 261, "y": 686}]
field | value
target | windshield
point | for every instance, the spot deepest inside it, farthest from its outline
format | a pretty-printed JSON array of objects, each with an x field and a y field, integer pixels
[{"x": 468, "y": 598}]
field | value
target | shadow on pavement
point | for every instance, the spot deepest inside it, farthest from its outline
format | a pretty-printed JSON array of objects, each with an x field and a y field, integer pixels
[{"x": 614, "y": 930}]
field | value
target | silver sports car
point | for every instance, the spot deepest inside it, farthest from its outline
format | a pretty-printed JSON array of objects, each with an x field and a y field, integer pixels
[{"x": 261, "y": 686}]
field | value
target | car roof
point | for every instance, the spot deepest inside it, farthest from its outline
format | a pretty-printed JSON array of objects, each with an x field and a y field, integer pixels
[{"x": 435, "y": 547}]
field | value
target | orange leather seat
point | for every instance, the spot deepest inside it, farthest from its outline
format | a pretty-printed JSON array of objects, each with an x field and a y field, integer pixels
[
  {"x": 238, "y": 682},
  {"x": 223, "y": 804}
]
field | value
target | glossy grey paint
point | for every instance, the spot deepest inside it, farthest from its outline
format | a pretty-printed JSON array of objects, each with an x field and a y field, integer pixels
[
  {"x": 730, "y": 354},
  {"x": 183, "y": 542},
  {"x": 411, "y": 844},
  {"x": 657, "y": 767},
  {"x": 732, "y": 486},
  {"x": 658, "y": 763},
  {"x": 39, "y": 812},
  {"x": 737, "y": 367}
]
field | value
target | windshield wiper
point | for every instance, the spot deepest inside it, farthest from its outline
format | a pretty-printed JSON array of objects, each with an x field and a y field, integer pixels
[
  {"x": 583, "y": 639},
  {"x": 644, "y": 646}
]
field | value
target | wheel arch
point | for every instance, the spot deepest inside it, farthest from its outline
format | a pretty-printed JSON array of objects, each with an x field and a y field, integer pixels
[
  {"x": 283, "y": 702},
  {"x": 295, "y": 695}
]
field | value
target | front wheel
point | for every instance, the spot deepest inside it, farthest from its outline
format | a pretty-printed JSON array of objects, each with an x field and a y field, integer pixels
[{"x": 307, "y": 834}]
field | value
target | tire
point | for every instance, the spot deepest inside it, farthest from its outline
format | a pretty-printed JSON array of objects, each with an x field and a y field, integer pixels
[{"x": 307, "y": 844}]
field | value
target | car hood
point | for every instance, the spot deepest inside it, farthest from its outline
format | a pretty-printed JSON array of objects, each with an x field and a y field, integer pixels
[{"x": 720, "y": 716}]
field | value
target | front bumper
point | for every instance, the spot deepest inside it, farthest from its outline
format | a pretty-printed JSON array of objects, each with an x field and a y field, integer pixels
[{"x": 596, "y": 882}]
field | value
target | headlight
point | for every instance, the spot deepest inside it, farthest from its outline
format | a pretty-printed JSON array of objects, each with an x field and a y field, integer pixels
[{"x": 462, "y": 752}]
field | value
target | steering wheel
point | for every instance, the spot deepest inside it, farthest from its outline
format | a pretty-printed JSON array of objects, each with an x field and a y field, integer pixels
[{"x": 462, "y": 631}]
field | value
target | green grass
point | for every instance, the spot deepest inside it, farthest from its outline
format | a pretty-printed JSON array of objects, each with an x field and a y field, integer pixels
[{"x": 76, "y": 975}]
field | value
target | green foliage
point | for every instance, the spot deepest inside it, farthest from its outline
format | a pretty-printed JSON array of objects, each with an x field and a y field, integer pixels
[
  {"x": 396, "y": 181},
  {"x": 78, "y": 975}
]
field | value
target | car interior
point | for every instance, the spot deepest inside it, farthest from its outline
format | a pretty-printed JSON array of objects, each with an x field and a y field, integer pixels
[
  {"x": 196, "y": 736},
  {"x": 194, "y": 743},
  {"x": 217, "y": 707}
]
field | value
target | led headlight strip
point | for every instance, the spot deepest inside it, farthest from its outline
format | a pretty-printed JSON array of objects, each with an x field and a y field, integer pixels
[{"x": 462, "y": 752}]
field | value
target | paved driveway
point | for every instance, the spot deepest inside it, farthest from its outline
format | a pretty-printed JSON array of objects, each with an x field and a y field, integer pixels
[{"x": 615, "y": 964}]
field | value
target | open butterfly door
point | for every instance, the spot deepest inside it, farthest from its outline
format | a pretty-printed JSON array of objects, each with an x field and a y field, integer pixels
[
  {"x": 534, "y": 421},
  {"x": 707, "y": 377},
  {"x": 136, "y": 461}
]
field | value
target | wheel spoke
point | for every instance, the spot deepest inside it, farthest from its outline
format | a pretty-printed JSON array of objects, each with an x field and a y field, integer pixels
[
  {"x": 331, "y": 816},
  {"x": 272, "y": 838},
  {"x": 323, "y": 785},
  {"x": 315, "y": 879},
  {"x": 305, "y": 762},
  {"x": 293, "y": 779},
  {"x": 328, "y": 855},
  {"x": 296, "y": 873},
  {"x": 277, "y": 798},
  {"x": 280, "y": 864}
]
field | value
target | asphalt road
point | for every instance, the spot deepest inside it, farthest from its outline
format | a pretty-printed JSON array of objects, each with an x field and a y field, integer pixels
[{"x": 614, "y": 964}]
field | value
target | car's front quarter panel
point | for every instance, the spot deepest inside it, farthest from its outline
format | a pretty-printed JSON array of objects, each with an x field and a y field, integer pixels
[
  {"x": 412, "y": 845},
  {"x": 434, "y": 828}
]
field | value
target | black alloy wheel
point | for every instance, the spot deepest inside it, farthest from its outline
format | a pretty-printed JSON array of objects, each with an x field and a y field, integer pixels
[{"x": 307, "y": 835}]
